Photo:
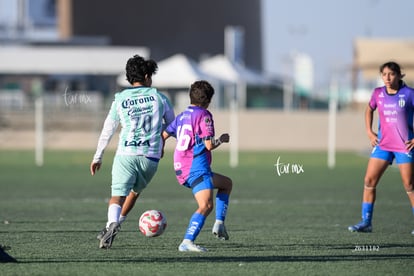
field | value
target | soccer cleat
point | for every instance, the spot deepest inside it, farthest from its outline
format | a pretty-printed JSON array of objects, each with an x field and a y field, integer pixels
[
  {"x": 365, "y": 227},
  {"x": 102, "y": 233},
  {"x": 109, "y": 236},
  {"x": 188, "y": 246},
  {"x": 219, "y": 230},
  {"x": 412, "y": 233},
  {"x": 4, "y": 256}
]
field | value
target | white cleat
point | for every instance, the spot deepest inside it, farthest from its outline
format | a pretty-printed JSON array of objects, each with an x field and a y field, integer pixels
[{"x": 189, "y": 246}]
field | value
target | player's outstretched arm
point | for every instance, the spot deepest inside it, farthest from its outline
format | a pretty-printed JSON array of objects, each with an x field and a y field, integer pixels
[{"x": 214, "y": 143}]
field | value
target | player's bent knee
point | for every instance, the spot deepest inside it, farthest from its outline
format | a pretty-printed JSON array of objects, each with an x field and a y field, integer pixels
[
  {"x": 370, "y": 182},
  {"x": 226, "y": 183},
  {"x": 229, "y": 185},
  {"x": 205, "y": 209}
]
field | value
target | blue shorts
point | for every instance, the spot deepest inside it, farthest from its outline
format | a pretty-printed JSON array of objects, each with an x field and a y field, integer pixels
[
  {"x": 400, "y": 157},
  {"x": 204, "y": 182},
  {"x": 131, "y": 173}
]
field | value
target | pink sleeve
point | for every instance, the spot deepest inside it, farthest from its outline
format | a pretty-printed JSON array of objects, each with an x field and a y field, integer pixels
[
  {"x": 373, "y": 100},
  {"x": 206, "y": 125}
]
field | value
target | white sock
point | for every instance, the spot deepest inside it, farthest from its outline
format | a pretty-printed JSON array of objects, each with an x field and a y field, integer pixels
[
  {"x": 114, "y": 211},
  {"x": 122, "y": 219}
]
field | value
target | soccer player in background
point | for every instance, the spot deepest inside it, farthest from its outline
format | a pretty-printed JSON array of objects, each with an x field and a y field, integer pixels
[
  {"x": 194, "y": 131},
  {"x": 395, "y": 104},
  {"x": 142, "y": 112}
]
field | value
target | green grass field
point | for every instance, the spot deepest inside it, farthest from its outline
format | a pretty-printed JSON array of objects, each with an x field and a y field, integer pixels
[{"x": 289, "y": 224}]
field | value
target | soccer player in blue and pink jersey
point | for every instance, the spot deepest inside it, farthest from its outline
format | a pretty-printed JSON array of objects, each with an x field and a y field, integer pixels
[
  {"x": 194, "y": 131},
  {"x": 395, "y": 105}
]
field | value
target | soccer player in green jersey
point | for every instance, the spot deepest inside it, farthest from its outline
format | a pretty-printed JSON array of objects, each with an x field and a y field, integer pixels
[{"x": 142, "y": 112}]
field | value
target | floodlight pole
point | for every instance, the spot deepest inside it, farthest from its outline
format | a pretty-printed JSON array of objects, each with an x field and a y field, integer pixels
[
  {"x": 39, "y": 131},
  {"x": 234, "y": 51},
  {"x": 287, "y": 84},
  {"x": 39, "y": 126},
  {"x": 333, "y": 106},
  {"x": 234, "y": 124}
]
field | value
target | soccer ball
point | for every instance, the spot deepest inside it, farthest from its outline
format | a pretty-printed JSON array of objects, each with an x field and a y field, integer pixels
[{"x": 152, "y": 223}]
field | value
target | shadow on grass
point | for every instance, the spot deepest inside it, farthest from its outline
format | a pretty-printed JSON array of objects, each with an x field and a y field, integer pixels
[
  {"x": 245, "y": 259},
  {"x": 207, "y": 257}
]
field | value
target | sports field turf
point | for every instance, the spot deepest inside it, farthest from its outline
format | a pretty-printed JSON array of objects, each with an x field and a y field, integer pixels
[{"x": 289, "y": 224}]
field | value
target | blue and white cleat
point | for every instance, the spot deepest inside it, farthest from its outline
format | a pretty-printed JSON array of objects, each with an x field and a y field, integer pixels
[
  {"x": 365, "y": 227},
  {"x": 189, "y": 246}
]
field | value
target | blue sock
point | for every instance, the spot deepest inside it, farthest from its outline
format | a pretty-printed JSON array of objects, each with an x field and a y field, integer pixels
[
  {"x": 222, "y": 203},
  {"x": 194, "y": 227},
  {"x": 367, "y": 210},
  {"x": 413, "y": 210}
]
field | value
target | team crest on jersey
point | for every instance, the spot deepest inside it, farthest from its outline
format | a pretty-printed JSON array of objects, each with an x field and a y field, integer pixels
[
  {"x": 207, "y": 120},
  {"x": 401, "y": 102}
]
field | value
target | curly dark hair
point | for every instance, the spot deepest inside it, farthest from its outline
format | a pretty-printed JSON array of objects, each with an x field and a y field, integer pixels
[
  {"x": 137, "y": 68},
  {"x": 201, "y": 93}
]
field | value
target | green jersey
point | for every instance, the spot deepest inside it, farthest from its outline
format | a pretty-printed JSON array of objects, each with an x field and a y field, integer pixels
[{"x": 143, "y": 112}]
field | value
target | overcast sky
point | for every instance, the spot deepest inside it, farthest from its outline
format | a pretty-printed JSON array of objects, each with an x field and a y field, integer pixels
[{"x": 325, "y": 29}]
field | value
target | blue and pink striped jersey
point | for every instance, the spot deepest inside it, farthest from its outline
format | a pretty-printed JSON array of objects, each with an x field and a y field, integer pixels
[
  {"x": 191, "y": 128},
  {"x": 395, "y": 112}
]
